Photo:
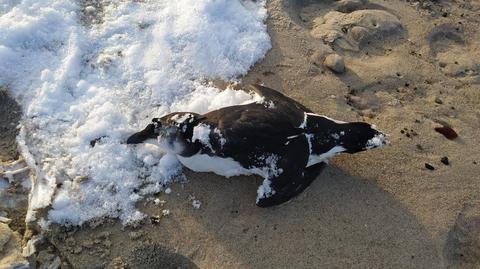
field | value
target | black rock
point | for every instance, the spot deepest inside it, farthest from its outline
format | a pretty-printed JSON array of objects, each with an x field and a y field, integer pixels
[
  {"x": 448, "y": 132},
  {"x": 429, "y": 166},
  {"x": 445, "y": 160}
]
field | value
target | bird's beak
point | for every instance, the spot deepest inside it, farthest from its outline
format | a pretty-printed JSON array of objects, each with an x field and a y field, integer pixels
[{"x": 147, "y": 133}]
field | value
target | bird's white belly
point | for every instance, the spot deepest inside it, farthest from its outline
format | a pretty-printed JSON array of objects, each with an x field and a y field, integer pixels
[{"x": 221, "y": 166}]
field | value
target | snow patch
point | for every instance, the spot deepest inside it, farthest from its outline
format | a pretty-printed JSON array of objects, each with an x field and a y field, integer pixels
[
  {"x": 159, "y": 202},
  {"x": 201, "y": 133},
  {"x": 144, "y": 59},
  {"x": 335, "y": 136},
  {"x": 221, "y": 139},
  {"x": 265, "y": 190},
  {"x": 181, "y": 119},
  {"x": 377, "y": 141},
  {"x": 196, "y": 204}
]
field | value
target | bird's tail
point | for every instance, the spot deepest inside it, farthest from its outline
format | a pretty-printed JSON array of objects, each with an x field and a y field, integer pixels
[{"x": 350, "y": 137}]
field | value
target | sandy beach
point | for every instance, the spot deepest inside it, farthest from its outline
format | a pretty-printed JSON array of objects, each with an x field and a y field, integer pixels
[{"x": 409, "y": 67}]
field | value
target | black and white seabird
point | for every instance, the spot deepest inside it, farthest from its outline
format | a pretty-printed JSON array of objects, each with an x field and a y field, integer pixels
[{"x": 277, "y": 138}]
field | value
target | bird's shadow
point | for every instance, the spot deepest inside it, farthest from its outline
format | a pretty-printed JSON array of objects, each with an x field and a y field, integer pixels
[{"x": 339, "y": 221}]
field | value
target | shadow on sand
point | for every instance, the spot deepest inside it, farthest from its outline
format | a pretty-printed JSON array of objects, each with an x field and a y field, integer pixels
[{"x": 341, "y": 221}]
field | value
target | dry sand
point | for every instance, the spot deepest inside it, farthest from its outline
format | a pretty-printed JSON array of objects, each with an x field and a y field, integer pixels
[{"x": 410, "y": 66}]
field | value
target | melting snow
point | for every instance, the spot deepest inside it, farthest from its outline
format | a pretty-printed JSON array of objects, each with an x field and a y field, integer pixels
[
  {"x": 265, "y": 190},
  {"x": 139, "y": 59},
  {"x": 377, "y": 141},
  {"x": 220, "y": 136},
  {"x": 196, "y": 204},
  {"x": 201, "y": 133}
]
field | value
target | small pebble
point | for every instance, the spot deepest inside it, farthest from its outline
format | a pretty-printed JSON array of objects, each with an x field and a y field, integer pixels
[
  {"x": 438, "y": 100},
  {"x": 445, "y": 160},
  {"x": 335, "y": 62},
  {"x": 429, "y": 166}
]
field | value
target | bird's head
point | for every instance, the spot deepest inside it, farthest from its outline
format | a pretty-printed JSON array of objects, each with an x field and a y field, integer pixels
[{"x": 170, "y": 130}]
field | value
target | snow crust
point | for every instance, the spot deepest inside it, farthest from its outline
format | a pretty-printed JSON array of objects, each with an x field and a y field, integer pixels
[
  {"x": 265, "y": 190},
  {"x": 377, "y": 141},
  {"x": 78, "y": 82},
  {"x": 201, "y": 133},
  {"x": 220, "y": 137},
  {"x": 196, "y": 204}
]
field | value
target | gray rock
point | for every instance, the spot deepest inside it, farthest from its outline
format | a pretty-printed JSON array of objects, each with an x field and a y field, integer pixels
[{"x": 335, "y": 62}]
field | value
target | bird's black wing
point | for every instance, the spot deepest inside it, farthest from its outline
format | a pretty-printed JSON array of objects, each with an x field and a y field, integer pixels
[
  {"x": 245, "y": 131},
  {"x": 280, "y": 100},
  {"x": 293, "y": 179}
]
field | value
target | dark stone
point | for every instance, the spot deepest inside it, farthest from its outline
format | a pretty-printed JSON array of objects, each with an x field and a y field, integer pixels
[
  {"x": 429, "y": 166},
  {"x": 448, "y": 132}
]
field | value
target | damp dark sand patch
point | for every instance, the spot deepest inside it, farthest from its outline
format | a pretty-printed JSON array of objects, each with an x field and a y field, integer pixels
[
  {"x": 13, "y": 201},
  {"x": 10, "y": 115},
  {"x": 156, "y": 256},
  {"x": 92, "y": 12}
]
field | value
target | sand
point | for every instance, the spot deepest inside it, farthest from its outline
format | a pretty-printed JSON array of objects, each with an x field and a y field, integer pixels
[{"x": 409, "y": 66}]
